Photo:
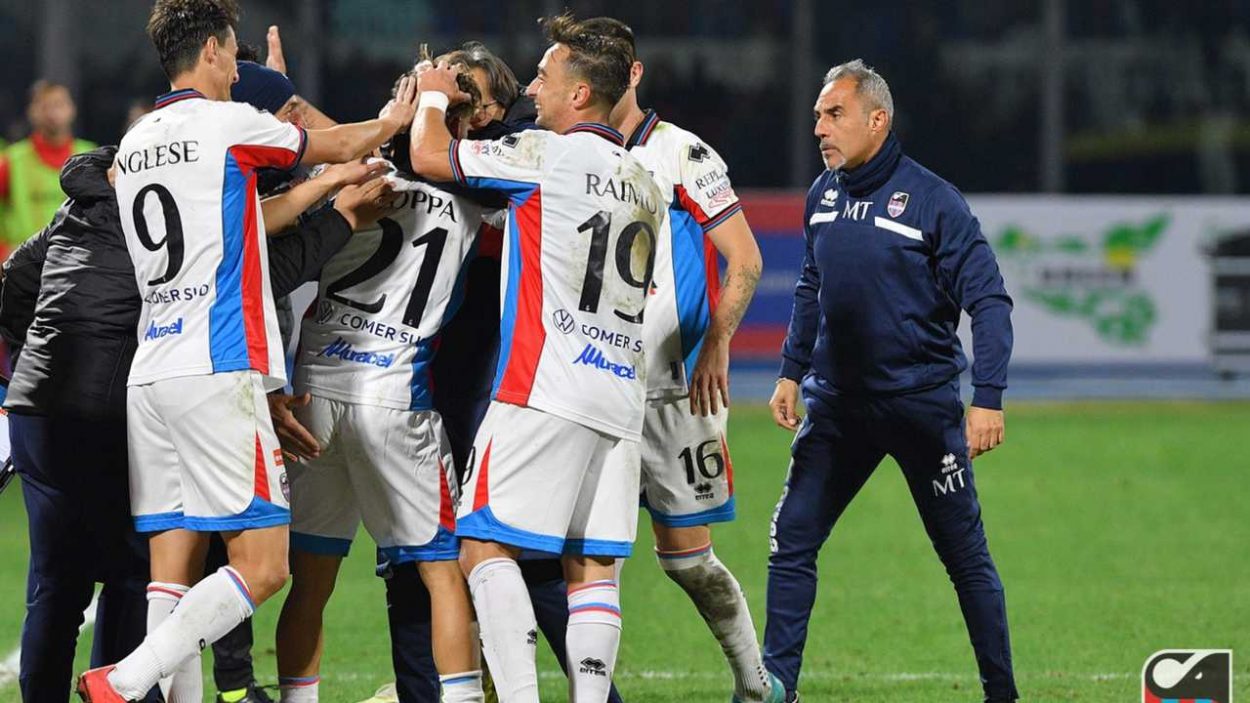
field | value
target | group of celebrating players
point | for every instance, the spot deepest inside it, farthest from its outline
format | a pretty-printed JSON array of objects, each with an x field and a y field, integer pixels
[{"x": 610, "y": 385}]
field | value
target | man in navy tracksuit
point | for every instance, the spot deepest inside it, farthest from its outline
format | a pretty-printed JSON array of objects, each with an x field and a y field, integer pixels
[{"x": 893, "y": 255}]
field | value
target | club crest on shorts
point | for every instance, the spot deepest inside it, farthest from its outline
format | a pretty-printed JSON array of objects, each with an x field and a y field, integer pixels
[
  {"x": 1188, "y": 675},
  {"x": 897, "y": 204}
]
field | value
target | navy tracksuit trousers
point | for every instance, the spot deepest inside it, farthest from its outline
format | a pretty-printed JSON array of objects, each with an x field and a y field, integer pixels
[
  {"x": 74, "y": 484},
  {"x": 840, "y": 443}
]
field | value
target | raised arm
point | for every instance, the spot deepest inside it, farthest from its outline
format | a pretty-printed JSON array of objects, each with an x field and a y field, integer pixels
[
  {"x": 431, "y": 140},
  {"x": 347, "y": 142},
  {"x": 281, "y": 211}
]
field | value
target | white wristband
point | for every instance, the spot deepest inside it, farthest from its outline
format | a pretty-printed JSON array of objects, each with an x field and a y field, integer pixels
[{"x": 435, "y": 99}]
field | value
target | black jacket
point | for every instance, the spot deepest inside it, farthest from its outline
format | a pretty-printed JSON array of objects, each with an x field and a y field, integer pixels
[{"x": 71, "y": 305}]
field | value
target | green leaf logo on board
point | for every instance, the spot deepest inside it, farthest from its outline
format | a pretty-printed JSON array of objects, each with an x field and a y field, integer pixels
[{"x": 1088, "y": 276}]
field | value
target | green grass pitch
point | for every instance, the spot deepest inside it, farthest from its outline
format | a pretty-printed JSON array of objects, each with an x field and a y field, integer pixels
[{"x": 1119, "y": 529}]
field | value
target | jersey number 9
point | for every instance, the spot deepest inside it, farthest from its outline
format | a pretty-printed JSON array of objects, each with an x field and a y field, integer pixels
[{"x": 173, "y": 229}]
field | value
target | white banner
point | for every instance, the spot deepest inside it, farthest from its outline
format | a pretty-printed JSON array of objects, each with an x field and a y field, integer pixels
[{"x": 1108, "y": 279}]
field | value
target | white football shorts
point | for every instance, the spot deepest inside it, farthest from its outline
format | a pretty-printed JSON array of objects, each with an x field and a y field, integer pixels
[
  {"x": 541, "y": 483},
  {"x": 687, "y": 475},
  {"x": 204, "y": 456},
  {"x": 391, "y": 468}
]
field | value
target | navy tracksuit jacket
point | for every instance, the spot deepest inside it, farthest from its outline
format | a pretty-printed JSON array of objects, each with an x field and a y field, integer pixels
[{"x": 893, "y": 255}]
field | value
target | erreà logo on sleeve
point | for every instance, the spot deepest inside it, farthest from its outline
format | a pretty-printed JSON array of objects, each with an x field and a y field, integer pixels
[{"x": 156, "y": 331}]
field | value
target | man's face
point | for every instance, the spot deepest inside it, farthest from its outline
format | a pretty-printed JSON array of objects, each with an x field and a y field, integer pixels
[
  {"x": 553, "y": 90},
  {"x": 292, "y": 112},
  {"x": 52, "y": 112},
  {"x": 847, "y": 131},
  {"x": 224, "y": 68},
  {"x": 490, "y": 109}
]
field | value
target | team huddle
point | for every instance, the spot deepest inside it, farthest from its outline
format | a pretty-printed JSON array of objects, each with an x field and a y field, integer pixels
[{"x": 609, "y": 391}]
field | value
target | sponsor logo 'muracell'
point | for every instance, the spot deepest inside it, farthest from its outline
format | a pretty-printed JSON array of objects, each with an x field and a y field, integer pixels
[
  {"x": 345, "y": 351},
  {"x": 592, "y": 356},
  {"x": 156, "y": 331}
]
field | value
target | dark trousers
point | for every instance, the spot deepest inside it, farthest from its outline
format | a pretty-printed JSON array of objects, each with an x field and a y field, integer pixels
[
  {"x": 75, "y": 486},
  {"x": 840, "y": 443}
]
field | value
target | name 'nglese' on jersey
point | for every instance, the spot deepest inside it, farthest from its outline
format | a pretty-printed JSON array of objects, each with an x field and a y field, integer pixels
[{"x": 186, "y": 190}]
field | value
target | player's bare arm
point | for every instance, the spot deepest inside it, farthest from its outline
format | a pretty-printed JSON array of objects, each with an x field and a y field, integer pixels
[
  {"x": 281, "y": 211},
  {"x": 709, "y": 384},
  {"x": 430, "y": 136},
  {"x": 348, "y": 142}
]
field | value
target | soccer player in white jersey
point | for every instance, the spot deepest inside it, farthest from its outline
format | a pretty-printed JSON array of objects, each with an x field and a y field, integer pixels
[
  {"x": 365, "y": 357},
  {"x": 687, "y": 475},
  {"x": 578, "y": 256},
  {"x": 203, "y": 454}
]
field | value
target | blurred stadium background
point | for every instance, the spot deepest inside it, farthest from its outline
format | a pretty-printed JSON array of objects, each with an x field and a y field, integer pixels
[{"x": 1105, "y": 147}]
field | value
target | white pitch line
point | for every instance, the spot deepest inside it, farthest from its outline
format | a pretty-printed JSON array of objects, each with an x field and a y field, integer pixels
[
  {"x": 12, "y": 662},
  {"x": 836, "y": 676}
]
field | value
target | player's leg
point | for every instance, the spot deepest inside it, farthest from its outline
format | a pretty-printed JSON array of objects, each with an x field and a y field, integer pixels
[
  {"x": 520, "y": 493},
  {"x": 176, "y": 555},
  {"x": 231, "y": 481},
  {"x": 601, "y": 532},
  {"x": 406, "y": 484},
  {"x": 324, "y": 518},
  {"x": 452, "y": 631},
  {"x": 928, "y": 441},
  {"x": 831, "y": 458},
  {"x": 594, "y": 632},
  {"x": 232, "y": 654},
  {"x": 300, "y": 635},
  {"x": 177, "y": 563},
  {"x": 687, "y": 482}
]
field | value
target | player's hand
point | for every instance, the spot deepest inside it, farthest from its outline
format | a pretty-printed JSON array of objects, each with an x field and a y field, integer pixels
[
  {"x": 709, "y": 384},
  {"x": 401, "y": 110},
  {"x": 785, "y": 404},
  {"x": 296, "y": 441},
  {"x": 365, "y": 204},
  {"x": 275, "y": 59},
  {"x": 442, "y": 78},
  {"x": 986, "y": 430},
  {"x": 353, "y": 173}
]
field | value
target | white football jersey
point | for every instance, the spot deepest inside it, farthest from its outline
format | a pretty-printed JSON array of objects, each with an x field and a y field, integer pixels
[
  {"x": 186, "y": 189},
  {"x": 579, "y": 248},
  {"x": 383, "y": 299},
  {"x": 699, "y": 196}
]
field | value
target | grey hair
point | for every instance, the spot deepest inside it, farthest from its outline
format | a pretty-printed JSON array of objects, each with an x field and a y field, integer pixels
[
  {"x": 868, "y": 84},
  {"x": 504, "y": 88}
]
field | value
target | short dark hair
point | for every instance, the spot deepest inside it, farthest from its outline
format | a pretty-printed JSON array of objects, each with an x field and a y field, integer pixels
[
  {"x": 459, "y": 111},
  {"x": 504, "y": 87},
  {"x": 600, "y": 60},
  {"x": 179, "y": 29},
  {"x": 615, "y": 29},
  {"x": 249, "y": 52}
]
